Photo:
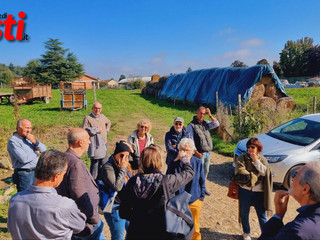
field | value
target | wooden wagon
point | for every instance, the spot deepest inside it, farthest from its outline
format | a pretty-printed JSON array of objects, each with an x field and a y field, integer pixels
[{"x": 73, "y": 95}]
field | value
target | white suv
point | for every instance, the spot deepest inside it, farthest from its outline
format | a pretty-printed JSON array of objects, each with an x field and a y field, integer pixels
[{"x": 288, "y": 146}]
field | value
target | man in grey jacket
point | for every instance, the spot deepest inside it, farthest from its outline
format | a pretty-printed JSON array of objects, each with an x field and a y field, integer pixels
[
  {"x": 98, "y": 126},
  {"x": 39, "y": 212},
  {"x": 79, "y": 185}
]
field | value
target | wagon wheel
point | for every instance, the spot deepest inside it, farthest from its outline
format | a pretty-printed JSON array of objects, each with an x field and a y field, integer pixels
[
  {"x": 12, "y": 99},
  {"x": 46, "y": 100}
]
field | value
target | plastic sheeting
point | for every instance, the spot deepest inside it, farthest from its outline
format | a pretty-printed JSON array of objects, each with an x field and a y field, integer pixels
[{"x": 200, "y": 86}]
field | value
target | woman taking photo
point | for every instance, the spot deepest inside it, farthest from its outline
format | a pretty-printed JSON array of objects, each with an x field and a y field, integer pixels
[
  {"x": 142, "y": 200},
  {"x": 115, "y": 174},
  {"x": 254, "y": 166},
  {"x": 139, "y": 140}
]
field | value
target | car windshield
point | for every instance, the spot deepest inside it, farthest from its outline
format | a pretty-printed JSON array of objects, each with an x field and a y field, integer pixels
[{"x": 298, "y": 131}]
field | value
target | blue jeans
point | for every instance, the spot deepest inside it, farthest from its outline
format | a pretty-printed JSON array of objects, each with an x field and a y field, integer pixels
[
  {"x": 246, "y": 199},
  {"x": 206, "y": 163},
  {"x": 116, "y": 224},
  {"x": 96, "y": 235},
  {"x": 23, "y": 179}
]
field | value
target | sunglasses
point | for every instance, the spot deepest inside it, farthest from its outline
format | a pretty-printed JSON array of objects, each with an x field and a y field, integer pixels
[
  {"x": 252, "y": 147},
  {"x": 178, "y": 124},
  {"x": 143, "y": 127}
]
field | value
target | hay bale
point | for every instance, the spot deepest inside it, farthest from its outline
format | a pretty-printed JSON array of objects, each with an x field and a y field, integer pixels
[
  {"x": 285, "y": 104},
  {"x": 267, "y": 103},
  {"x": 266, "y": 80},
  {"x": 273, "y": 92},
  {"x": 155, "y": 78},
  {"x": 163, "y": 79},
  {"x": 258, "y": 92},
  {"x": 143, "y": 91},
  {"x": 150, "y": 84}
]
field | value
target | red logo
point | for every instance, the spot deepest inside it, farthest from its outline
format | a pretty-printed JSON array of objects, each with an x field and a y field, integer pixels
[{"x": 9, "y": 23}]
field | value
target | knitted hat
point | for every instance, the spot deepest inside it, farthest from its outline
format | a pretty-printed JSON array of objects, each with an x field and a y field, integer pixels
[{"x": 122, "y": 146}]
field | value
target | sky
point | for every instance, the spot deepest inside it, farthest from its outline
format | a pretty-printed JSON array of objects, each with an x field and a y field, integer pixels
[{"x": 146, "y": 37}]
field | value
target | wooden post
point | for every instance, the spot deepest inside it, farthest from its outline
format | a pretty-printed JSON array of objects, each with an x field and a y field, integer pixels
[
  {"x": 230, "y": 109},
  {"x": 307, "y": 109},
  {"x": 314, "y": 104},
  {"x": 94, "y": 92},
  {"x": 239, "y": 113},
  {"x": 217, "y": 101}
]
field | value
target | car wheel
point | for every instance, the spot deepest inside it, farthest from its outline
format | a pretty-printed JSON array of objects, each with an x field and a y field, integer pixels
[{"x": 287, "y": 181}]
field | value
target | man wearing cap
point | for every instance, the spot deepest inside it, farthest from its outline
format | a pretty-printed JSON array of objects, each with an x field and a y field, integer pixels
[
  {"x": 199, "y": 130},
  {"x": 173, "y": 138},
  {"x": 98, "y": 126},
  {"x": 24, "y": 149}
]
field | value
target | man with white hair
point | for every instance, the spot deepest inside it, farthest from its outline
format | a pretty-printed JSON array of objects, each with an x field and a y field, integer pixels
[
  {"x": 197, "y": 186},
  {"x": 305, "y": 189},
  {"x": 98, "y": 126}
]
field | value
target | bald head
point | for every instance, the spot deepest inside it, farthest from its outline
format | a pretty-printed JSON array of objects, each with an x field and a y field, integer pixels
[
  {"x": 97, "y": 108},
  {"x": 75, "y": 135}
]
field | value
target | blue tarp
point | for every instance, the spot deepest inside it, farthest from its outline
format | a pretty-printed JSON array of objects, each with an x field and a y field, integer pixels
[{"x": 200, "y": 86}]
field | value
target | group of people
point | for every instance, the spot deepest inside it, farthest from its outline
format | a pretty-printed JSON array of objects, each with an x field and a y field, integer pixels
[{"x": 58, "y": 196}]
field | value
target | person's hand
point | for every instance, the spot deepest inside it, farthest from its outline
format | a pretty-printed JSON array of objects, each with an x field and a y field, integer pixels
[
  {"x": 181, "y": 154},
  {"x": 174, "y": 146},
  {"x": 100, "y": 130},
  {"x": 208, "y": 111},
  {"x": 198, "y": 155},
  {"x": 254, "y": 157},
  {"x": 281, "y": 200},
  {"x": 31, "y": 138}
]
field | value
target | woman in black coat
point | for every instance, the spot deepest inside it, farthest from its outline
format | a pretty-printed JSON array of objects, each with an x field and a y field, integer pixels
[{"x": 142, "y": 200}]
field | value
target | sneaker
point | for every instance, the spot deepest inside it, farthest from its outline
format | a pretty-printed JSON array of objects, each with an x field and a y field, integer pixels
[{"x": 246, "y": 236}]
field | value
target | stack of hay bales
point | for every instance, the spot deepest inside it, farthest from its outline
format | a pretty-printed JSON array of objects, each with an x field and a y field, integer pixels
[
  {"x": 154, "y": 86},
  {"x": 269, "y": 96}
]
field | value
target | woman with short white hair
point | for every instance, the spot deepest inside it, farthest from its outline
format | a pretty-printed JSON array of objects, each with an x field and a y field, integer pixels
[{"x": 197, "y": 186}]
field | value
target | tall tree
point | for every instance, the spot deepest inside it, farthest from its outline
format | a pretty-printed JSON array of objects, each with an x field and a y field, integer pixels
[
  {"x": 55, "y": 65},
  {"x": 277, "y": 68},
  {"x": 122, "y": 77},
  {"x": 189, "y": 70},
  {"x": 238, "y": 63},
  {"x": 313, "y": 58},
  {"x": 293, "y": 58},
  {"x": 263, "y": 62}
]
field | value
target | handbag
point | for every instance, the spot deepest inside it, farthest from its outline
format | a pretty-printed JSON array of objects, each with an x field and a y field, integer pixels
[
  {"x": 107, "y": 197},
  {"x": 178, "y": 216},
  {"x": 233, "y": 190}
]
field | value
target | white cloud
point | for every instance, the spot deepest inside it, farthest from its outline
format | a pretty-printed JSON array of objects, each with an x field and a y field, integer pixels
[
  {"x": 159, "y": 58},
  {"x": 226, "y": 31},
  {"x": 252, "y": 43},
  {"x": 239, "y": 54}
]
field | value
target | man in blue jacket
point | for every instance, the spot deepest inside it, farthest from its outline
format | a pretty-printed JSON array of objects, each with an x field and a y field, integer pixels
[
  {"x": 197, "y": 186},
  {"x": 305, "y": 189}
]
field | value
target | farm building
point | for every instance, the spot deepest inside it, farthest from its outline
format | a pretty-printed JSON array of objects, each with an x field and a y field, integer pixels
[
  {"x": 89, "y": 81},
  {"x": 258, "y": 83},
  {"x": 110, "y": 83}
]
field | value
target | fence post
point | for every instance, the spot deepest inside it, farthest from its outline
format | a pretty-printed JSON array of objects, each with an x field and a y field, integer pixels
[
  {"x": 307, "y": 109},
  {"x": 239, "y": 114},
  {"x": 314, "y": 104},
  {"x": 217, "y": 101},
  {"x": 94, "y": 92}
]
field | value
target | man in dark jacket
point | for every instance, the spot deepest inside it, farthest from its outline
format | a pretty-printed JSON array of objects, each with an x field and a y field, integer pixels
[
  {"x": 198, "y": 129},
  {"x": 79, "y": 185},
  {"x": 305, "y": 189},
  {"x": 173, "y": 138}
]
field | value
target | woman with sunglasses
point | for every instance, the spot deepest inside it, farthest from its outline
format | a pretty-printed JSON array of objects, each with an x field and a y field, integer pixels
[
  {"x": 115, "y": 174},
  {"x": 139, "y": 140},
  {"x": 173, "y": 138},
  {"x": 255, "y": 167}
]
